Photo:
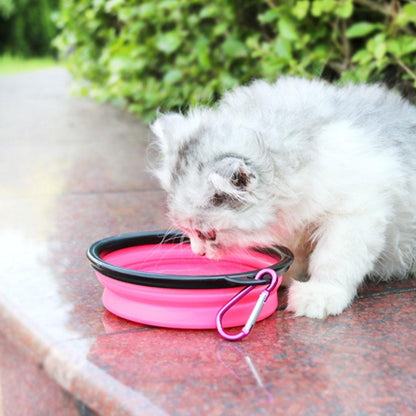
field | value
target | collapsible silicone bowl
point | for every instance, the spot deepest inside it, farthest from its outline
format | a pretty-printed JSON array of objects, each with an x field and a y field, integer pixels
[{"x": 154, "y": 278}]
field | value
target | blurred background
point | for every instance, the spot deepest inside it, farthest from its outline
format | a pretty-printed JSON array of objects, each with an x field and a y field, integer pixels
[{"x": 168, "y": 54}]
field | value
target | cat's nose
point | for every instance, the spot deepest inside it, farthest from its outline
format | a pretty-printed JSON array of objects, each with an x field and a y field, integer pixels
[{"x": 198, "y": 247}]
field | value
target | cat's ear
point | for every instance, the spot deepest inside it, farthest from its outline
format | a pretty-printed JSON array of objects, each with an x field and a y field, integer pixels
[
  {"x": 169, "y": 128},
  {"x": 232, "y": 175}
]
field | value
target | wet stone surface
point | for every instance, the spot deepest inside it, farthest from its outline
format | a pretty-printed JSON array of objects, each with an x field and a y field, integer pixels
[{"x": 73, "y": 171}]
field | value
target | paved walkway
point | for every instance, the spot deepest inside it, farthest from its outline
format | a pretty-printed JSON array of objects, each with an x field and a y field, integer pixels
[{"x": 73, "y": 171}]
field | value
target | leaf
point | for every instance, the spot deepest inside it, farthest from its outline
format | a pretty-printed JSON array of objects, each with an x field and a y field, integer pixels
[
  {"x": 394, "y": 47},
  {"x": 219, "y": 29},
  {"x": 227, "y": 81},
  {"x": 320, "y": 7},
  {"x": 269, "y": 16},
  {"x": 359, "y": 74},
  {"x": 193, "y": 20},
  {"x": 211, "y": 10},
  {"x": 172, "y": 76},
  {"x": 363, "y": 56},
  {"x": 283, "y": 48},
  {"x": 287, "y": 29},
  {"x": 409, "y": 11},
  {"x": 344, "y": 9},
  {"x": 377, "y": 45},
  {"x": 146, "y": 10},
  {"x": 119, "y": 64},
  {"x": 301, "y": 8},
  {"x": 402, "y": 45},
  {"x": 361, "y": 29},
  {"x": 234, "y": 48},
  {"x": 203, "y": 53},
  {"x": 252, "y": 42},
  {"x": 408, "y": 45},
  {"x": 380, "y": 46},
  {"x": 112, "y": 5},
  {"x": 7, "y": 8},
  {"x": 168, "y": 4},
  {"x": 169, "y": 42}
]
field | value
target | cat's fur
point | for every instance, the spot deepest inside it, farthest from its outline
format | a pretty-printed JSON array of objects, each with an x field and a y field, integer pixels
[{"x": 328, "y": 171}]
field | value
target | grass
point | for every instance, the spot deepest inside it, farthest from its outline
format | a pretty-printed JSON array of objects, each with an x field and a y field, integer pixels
[{"x": 14, "y": 64}]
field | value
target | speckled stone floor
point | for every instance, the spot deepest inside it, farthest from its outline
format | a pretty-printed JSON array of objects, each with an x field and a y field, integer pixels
[{"x": 73, "y": 171}]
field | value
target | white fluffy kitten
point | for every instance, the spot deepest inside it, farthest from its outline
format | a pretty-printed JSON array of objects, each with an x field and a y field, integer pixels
[{"x": 328, "y": 171}]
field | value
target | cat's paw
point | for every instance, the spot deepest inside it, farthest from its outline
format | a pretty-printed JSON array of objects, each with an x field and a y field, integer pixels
[{"x": 317, "y": 299}]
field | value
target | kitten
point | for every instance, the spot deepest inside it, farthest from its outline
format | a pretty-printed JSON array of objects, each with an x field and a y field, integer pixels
[{"x": 328, "y": 171}]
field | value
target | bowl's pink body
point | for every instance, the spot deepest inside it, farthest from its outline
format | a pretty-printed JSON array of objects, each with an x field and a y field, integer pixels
[{"x": 181, "y": 308}]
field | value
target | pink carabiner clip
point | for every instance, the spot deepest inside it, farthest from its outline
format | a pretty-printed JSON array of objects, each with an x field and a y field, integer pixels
[{"x": 274, "y": 283}]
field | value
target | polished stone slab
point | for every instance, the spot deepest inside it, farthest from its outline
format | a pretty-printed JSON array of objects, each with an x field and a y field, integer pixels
[{"x": 73, "y": 171}]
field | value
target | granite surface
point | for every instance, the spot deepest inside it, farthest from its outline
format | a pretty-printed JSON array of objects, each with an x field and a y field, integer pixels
[{"x": 73, "y": 171}]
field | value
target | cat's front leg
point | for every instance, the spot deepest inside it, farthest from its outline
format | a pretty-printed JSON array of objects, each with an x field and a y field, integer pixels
[{"x": 345, "y": 252}]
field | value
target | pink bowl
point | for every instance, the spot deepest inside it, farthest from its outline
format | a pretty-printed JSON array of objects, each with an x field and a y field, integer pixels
[{"x": 155, "y": 279}]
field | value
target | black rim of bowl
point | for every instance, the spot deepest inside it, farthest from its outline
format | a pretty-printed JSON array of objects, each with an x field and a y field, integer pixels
[{"x": 283, "y": 256}]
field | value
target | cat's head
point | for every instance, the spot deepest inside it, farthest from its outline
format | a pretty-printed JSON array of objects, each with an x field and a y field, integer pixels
[{"x": 217, "y": 177}]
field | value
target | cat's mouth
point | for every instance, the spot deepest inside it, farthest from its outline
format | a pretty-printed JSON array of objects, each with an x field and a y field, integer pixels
[
  {"x": 204, "y": 243},
  {"x": 213, "y": 253},
  {"x": 215, "y": 244}
]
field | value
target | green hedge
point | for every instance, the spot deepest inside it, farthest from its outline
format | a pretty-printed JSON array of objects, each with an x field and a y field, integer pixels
[
  {"x": 172, "y": 53},
  {"x": 26, "y": 27}
]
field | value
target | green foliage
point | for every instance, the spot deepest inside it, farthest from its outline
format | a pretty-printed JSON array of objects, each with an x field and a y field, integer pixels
[
  {"x": 12, "y": 64},
  {"x": 26, "y": 28},
  {"x": 147, "y": 54},
  {"x": 6, "y": 8}
]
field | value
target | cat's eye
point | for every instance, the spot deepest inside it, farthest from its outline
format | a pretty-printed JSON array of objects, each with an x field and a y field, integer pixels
[
  {"x": 240, "y": 179},
  {"x": 209, "y": 235},
  {"x": 218, "y": 199}
]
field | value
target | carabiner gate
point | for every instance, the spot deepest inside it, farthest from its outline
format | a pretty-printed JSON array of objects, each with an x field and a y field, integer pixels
[{"x": 275, "y": 281}]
